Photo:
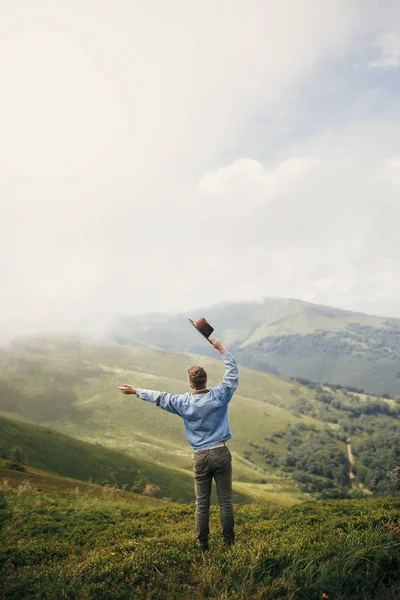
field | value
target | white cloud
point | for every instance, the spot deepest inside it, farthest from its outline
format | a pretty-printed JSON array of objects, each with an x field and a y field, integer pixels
[
  {"x": 249, "y": 176},
  {"x": 389, "y": 52},
  {"x": 327, "y": 233}
]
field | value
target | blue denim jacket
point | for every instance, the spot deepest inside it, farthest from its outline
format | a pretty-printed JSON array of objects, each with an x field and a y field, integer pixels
[{"x": 205, "y": 415}]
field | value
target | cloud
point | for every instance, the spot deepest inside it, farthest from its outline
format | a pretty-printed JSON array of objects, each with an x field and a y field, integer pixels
[
  {"x": 124, "y": 185},
  {"x": 250, "y": 177},
  {"x": 389, "y": 52},
  {"x": 326, "y": 232}
]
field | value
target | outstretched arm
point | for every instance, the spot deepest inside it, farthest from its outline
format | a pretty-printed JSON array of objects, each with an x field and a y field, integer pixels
[
  {"x": 231, "y": 378},
  {"x": 168, "y": 402}
]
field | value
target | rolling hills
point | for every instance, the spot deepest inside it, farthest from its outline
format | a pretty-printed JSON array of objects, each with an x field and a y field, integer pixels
[
  {"x": 279, "y": 425},
  {"x": 287, "y": 337}
]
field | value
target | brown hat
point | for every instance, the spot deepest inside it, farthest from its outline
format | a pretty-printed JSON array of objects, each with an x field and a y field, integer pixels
[{"x": 203, "y": 327}]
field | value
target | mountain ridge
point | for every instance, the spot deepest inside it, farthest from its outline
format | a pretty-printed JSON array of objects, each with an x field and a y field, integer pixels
[{"x": 288, "y": 337}]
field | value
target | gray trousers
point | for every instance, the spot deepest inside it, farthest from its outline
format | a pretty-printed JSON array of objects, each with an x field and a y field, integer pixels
[{"x": 208, "y": 464}]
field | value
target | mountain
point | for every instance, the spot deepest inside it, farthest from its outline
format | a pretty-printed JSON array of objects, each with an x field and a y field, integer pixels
[
  {"x": 291, "y": 439},
  {"x": 286, "y": 337}
]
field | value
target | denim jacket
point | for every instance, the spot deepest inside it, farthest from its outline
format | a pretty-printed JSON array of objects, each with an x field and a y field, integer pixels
[{"x": 205, "y": 415}]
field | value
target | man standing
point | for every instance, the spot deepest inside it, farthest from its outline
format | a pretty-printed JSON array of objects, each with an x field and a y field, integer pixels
[{"x": 205, "y": 415}]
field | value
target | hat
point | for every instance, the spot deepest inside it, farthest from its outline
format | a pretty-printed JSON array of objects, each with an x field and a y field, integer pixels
[{"x": 203, "y": 327}]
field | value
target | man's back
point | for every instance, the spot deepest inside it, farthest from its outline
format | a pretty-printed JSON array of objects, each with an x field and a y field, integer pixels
[{"x": 205, "y": 414}]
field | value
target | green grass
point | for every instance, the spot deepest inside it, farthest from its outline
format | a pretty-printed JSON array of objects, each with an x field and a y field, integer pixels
[
  {"x": 39, "y": 480},
  {"x": 67, "y": 545},
  {"x": 60, "y": 454}
]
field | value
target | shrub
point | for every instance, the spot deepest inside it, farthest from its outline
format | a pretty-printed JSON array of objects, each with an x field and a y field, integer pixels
[{"x": 15, "y": 466}]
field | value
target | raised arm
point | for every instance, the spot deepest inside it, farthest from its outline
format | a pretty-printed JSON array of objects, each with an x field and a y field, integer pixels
[{"x": 230, "y": 381}]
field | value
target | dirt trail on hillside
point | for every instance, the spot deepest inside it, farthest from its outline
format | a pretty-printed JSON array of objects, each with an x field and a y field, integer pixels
[{"x": 350, "y": 457}]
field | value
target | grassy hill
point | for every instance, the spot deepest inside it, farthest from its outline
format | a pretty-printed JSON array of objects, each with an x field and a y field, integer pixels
[
  {"x": 60, "y": 454},
  {"x": 37, "y": 481},
  {"x": 63, "y": 544},
  {"x": 279, "y": 426},
  {"x": 287, "y": 337}
]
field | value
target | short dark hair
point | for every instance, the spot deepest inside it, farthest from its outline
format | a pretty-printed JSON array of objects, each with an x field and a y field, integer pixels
[{"x": 198, "y": 377}]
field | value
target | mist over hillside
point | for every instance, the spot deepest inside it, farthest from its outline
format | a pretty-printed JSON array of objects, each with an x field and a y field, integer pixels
[{"x": 288, "y": 337}]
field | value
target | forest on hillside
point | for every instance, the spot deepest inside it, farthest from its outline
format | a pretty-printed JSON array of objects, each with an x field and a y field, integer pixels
[
  {"x": 318, "y": 461},
  {"x": 359, "y": 356}
]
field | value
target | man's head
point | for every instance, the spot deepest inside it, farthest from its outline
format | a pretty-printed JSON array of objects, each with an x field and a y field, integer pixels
[{"x": 197, "y": 377}]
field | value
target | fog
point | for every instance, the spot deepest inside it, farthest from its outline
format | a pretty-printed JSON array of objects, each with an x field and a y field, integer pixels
[{"x": 161, "y": 156}]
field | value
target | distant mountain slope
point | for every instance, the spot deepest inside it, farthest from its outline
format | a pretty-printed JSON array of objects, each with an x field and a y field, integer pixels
[{"x": 287, "y": 337}]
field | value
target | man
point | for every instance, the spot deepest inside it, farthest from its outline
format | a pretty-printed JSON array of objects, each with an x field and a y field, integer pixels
[{"x": 205, "y": 415}]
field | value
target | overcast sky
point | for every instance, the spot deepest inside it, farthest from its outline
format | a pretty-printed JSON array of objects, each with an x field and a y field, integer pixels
[{"x": 160, "y": 155}]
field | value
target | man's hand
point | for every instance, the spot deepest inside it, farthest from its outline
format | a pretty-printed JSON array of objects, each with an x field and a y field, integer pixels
[
  {"x": 218, "y": 345},
  {"x": 127, "y": 389}
]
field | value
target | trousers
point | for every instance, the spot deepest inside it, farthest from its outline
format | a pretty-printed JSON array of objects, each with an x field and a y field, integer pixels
[{"x": 216, "y": 464}]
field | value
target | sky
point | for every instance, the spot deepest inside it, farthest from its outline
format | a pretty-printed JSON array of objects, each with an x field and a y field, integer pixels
[{"x": 157, "y": 156}]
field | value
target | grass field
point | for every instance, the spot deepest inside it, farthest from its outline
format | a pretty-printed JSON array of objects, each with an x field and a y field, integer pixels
[
  {"x": 42, "y": 481},
  {"x": 60, "y": 542},
  {"x": 59, "y": 454}
]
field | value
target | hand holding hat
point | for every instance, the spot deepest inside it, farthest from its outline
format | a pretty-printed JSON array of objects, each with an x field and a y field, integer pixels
[
  {"x": 205, "y": 329},
  {"x": 218, "y": 345}
]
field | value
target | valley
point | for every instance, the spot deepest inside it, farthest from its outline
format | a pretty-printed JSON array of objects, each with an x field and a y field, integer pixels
[{"x": 70, "y": 386}]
